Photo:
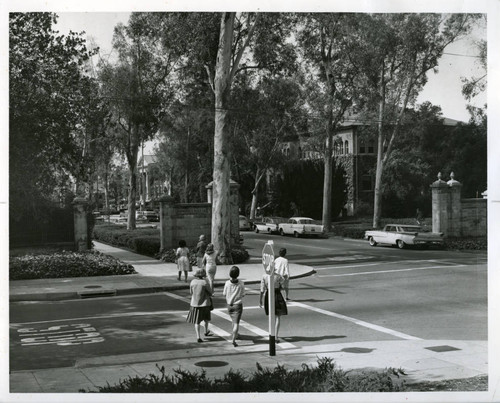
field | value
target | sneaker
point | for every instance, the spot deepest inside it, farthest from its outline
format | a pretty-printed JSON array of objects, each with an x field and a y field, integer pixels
[
  {"x": 235, "y": 344},
  {"x": 200, "y": 341}
]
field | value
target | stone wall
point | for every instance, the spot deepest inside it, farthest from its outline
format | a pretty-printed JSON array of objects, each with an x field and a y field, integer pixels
[
  {"x": 188, "y": 221},
  {"x": 454, "y": 216},
  {"x": 474, "y": 217}
]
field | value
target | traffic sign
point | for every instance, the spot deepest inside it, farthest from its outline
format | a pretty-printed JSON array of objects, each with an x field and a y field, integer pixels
[{"x": 268, "y": 257}]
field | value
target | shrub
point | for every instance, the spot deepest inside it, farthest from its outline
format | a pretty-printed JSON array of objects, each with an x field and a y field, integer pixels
[
  {"x": 325, "y": 377},
  {"x": 473, "y": 243},
  {"x": 238, "y": 253},
  {"x": 66, "y": 264},
  {"x": 146, "y": 245}
]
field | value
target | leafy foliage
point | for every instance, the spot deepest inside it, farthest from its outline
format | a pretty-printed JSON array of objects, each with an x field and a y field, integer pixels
[
  {"x": 324, "y": 377},
  {"x": 66, "y": 264},
  {"x": 49, "y": 106},
  {"x": 299, "y": 191}
]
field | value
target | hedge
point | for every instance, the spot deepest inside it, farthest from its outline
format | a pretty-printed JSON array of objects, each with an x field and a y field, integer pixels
[
  {"x": 146, "y": 241},
  {"x": 66, "y": 264},
  {"x": 238, "y": 253},
  {"x": 325, "y": 377}
]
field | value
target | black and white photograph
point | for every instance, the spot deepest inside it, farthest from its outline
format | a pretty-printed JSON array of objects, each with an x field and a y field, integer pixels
[{"x": 250, "y": 201}]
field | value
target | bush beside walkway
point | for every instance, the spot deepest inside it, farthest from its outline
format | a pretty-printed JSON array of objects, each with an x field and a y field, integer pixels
[{"x": 65, "y": 264}]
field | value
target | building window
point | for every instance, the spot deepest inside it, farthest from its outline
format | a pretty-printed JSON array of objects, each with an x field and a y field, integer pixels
[
  {"x": 370, "y": 147},
  {"x": 362, "y": 147},
  {"x": 341, "y": 147},
  {"x": 346, "y": 147},
  {"x": 366, "y": 183}
]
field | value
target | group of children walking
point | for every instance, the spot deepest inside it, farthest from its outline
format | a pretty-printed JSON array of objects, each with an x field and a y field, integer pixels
[{"x": 202, "y": 289}]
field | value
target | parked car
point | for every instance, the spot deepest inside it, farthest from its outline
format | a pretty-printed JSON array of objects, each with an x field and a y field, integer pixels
[
  {"x": 403, "y": 235},
  {"x": 269, "y": 225},
  {"x": 298, "y": 226},
  {"x": 245, "y": 224},
  {"x": 151, "y": 215}
]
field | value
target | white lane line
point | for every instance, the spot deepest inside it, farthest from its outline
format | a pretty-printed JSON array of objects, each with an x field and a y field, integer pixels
[
  {"x": 357, "y": 321},
  {"x": 215, "y": 329},
  {"x": 252, "y": 328},
  {"x": 391, "y": 271},
  {"x": 375, "y": 264},
  {"x": 219, "y": 312}
]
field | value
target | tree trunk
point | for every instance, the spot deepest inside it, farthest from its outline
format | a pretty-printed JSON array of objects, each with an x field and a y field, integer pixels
[
  {"x": 132, "y": 195},
  {"x": 327, "y": 181},
  {"x": 221, "y": 230},
  {"x": 377, "y": 200}
]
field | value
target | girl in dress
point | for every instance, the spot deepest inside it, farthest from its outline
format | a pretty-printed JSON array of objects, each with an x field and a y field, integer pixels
[
  {"x": 209, "y": 263},
  {"x": 182, "y": 255}
]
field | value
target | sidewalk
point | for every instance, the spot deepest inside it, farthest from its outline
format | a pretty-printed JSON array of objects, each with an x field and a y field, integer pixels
[
  {"x": 153, "y": 276},
  {"x": 432, "y": 360}
]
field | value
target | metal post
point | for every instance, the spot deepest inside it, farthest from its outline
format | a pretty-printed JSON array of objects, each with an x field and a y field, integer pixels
[{"x": 268, "y": 263}]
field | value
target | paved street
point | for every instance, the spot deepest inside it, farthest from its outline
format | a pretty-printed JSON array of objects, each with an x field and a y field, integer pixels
[{"x": 359, "y": 295}]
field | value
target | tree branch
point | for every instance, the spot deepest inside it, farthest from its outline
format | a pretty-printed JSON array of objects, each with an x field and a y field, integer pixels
[
  {"x": 210, "y": 78},
  {"x": 242, "y": 49}
]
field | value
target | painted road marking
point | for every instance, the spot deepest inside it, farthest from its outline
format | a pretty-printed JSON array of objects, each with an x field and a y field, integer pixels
[
  {"x": 376, "y": 264},
  {"x": 356, "y": 321},
  {"x": 79, "y": 333},
  {"x": 391, "y": 271},
  {"x": 219, "y": 312}
]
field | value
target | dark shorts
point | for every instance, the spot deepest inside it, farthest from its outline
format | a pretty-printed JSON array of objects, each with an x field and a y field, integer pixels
[
  {"x": 235, "y": 312},
  {"x": 197, "y": 315}
]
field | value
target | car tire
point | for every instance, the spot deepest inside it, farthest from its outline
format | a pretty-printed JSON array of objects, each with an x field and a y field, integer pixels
[
  {"x": 400, "y": 244},
  {"x": 256, "y": 230},
  {"x": 296, "y": 234},
  {"x": 372, "y": 242},
  {"x": 282, "y": 233}
]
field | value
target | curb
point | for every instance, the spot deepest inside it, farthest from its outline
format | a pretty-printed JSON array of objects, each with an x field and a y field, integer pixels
[{"x": 108, "y": 292}]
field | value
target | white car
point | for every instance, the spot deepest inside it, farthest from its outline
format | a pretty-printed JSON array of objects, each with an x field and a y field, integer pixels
[
  {"x": 269, "y": 225},
  {"x": 299, "y": 226},
  {"x": 402, "y": 235}
]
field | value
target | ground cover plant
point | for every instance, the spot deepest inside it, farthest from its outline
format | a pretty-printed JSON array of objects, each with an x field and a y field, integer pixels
[
  {"x": 323, "y": 377},
  {"x": 326, "y": 376},
  {"x": 65, "y": 264}
]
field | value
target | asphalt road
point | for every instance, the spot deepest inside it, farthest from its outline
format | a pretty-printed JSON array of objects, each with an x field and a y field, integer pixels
[{"x": 359, "y": 293}]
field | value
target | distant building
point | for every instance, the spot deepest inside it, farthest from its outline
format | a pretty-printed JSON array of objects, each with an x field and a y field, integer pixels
[
  {"x": 151, "y": 183},
  {"x": 355, "y": 154}
]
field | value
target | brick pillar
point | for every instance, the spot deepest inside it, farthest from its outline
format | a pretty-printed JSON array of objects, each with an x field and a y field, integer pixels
[
  {"x": 440, "y": 202},
  {"x": 234, "y": 201},
  {"x": 167, "y": 213},
  {"x": 455, "y": 207},
  {"x": 80, "y": 220}
]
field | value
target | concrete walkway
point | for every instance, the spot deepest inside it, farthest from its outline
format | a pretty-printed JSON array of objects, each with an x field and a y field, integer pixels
[{"x": 421, "y": 359}]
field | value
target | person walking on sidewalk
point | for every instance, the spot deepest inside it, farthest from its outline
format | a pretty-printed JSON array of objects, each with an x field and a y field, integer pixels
[
  {"x": 209, "y": 263},
  {"x": 182, "y": 255},
  {"x": 234, "y": 291},
  {"x": 200, "y": 251},
  {"x": 281, "y": 267},
  {"x": 280, "y": 307},
  {"x": 200, "y": 304}
]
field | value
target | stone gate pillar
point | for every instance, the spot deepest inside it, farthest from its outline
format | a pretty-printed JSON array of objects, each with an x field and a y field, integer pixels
[
  {"x": 455, "y": 207},
  {"x": 440, "y": 201},
  {"x": 80, "y": 221},
  {"x": 166, "y": 222}
]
